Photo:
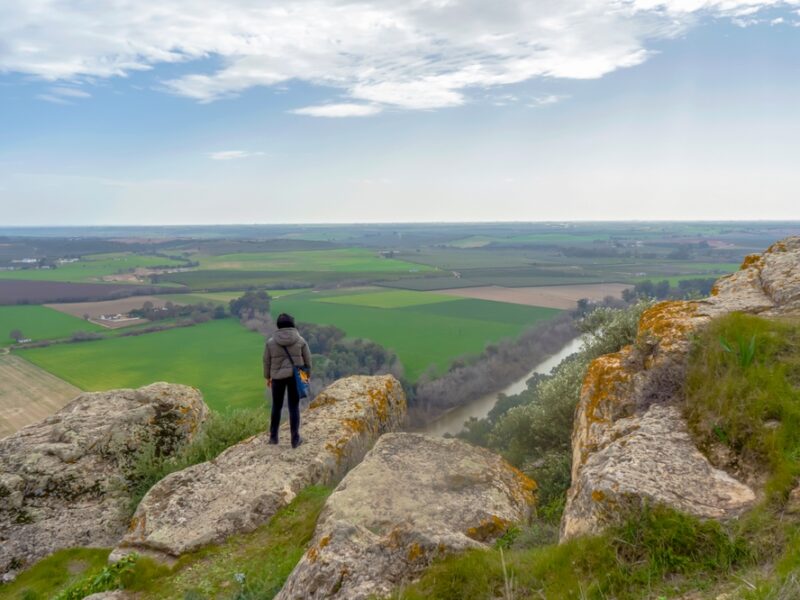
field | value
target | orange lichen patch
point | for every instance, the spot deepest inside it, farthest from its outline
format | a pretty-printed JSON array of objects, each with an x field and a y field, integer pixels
[
  {"x": 395, "y": 538},
  {"x": 136, "y": 522},
  {"x": 488, "y": 528},
  {"x": 526, "y": 485},
  {"x": 380, "y": 401},
  {"x": 598, "y": 495},
  {"x": 313, "y": 552},
  {"x": 668, "y": 322},
  {"x": 414, "y": 552},
  {"x": 338, "y": 448},
  {"x": 777, "y": 247},
  {"x": 751, "y": 260},
  {"x": 604, "y": 377},
  {"x": 322, "y": 400},
  {"x": 355, "y": 425}
]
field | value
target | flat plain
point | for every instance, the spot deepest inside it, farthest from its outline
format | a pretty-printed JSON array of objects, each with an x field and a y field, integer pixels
[
  {"x": 28, "y": 393},
  {"x": 92, "y": 268}
]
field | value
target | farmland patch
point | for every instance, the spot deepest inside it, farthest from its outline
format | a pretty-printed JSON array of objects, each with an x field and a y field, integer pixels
[
  {"x": 555, "y": 296},
  {"x": 29, "y": 394},
  {"x": 39, "y": 323},
  {"x": 345, "y": 260},
  {"x": 108, "y": 308},
  {"x": 41, "y": 292},
  {"x": 220, "y": 358},
  {"x": 393, "y": 299}
]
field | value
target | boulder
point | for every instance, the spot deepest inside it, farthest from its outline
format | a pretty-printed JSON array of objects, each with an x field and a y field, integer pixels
[
  {"x": 247, "y": 484},
  {"x": 413, "y": 499},
  {"x": 62, "y": 480},
  {"x": 630, "y": 444}
]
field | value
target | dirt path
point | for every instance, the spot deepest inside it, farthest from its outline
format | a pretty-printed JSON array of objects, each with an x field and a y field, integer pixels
[{"x": 28, "y": 393}]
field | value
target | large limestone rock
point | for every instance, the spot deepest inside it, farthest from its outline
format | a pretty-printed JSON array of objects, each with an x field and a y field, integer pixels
[
  {"x": 62, "y": 480},
  {"x": 414, "y": 498},
  {"x": 630, "y": 443},
  {"x": 245, "y": 485}
]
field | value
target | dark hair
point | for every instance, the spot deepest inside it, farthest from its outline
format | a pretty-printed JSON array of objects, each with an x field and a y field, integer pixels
[{"x": 285, "y": 321}]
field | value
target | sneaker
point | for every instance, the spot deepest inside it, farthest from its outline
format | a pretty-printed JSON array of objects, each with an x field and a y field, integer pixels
[
  {"x": 297, "y": 442},
  {"x": 273, "y": 441}
]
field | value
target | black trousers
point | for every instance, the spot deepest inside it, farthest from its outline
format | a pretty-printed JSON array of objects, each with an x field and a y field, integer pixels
[{"x": 280, "y": 387}]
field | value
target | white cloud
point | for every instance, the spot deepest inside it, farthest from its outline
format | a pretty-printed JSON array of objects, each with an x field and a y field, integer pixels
[
  {"x": 233, "y": 154},
  {"x": 52, "y": 99},
  {"x": 70, "y": 92},
  {"x": 416, "y": 54},
  {"x": 540, "y": 101},
  {"x": 339, "y": 110},
  {"x": 62, "y": 95}
]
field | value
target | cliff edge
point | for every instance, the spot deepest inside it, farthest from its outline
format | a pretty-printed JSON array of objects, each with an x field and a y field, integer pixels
[{"x": 630, "y": 443}]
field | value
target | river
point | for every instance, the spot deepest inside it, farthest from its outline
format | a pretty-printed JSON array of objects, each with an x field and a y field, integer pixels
[{"x": 453, "y": 420}]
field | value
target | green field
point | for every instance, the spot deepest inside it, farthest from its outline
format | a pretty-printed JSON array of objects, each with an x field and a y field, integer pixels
[
  {"x": 393, "y": 299},
  {"x": 219, "y": 297},
  {"x": 220, "y": 358},
  {"x": 40, "y": 323},
  {"x": 344, "y": 260},
  {"x": 422, "y": 335},
  {"x": 91, "y": 268},
  {"x": 223, "y": 359}
]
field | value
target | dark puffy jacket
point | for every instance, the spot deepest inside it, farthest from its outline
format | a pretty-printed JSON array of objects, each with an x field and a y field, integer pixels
[{"x": 276, "y": 364}]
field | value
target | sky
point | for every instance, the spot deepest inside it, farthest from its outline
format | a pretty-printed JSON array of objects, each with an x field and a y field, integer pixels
[{"x": 326, "y": 111}]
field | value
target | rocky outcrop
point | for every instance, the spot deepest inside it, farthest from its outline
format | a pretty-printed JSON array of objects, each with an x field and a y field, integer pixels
[
  {"x": 630, "y": 443},
  {"x": 245, "y": 485},
  {"x": 62, "y": 479},
  {"x": 414, "y": 498}
]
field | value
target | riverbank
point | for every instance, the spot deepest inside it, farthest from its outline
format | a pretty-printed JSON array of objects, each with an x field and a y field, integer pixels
[{"x": 452, "y": 421}]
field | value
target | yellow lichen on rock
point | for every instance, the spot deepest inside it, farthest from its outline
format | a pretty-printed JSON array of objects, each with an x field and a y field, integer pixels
[
  {"x": 488, "y": 528},
  {"x": 752, "y": 260},
  {"x": 604, "y": 379},
  {"x": 414, "y": 552},
  {"x": 668, "y": 323}
]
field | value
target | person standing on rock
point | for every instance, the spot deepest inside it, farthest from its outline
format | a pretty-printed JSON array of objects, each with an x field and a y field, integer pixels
[{"x": 284, "y": 351}]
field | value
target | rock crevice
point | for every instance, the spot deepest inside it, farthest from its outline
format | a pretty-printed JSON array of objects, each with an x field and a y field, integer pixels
[
  {"x": 413, "y": 499},
  {"x": 247, "y": 484}
]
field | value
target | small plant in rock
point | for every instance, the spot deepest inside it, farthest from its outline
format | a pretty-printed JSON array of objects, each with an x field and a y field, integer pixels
[{"x": 741, "y": 348}]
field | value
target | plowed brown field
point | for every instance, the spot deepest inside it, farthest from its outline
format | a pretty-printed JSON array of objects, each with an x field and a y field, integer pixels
[
  {"x": 551, "y": 296},
  {"x": 28, "y": 393}
]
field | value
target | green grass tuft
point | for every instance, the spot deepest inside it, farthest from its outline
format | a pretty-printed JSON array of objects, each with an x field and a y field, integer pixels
[
  {"x": 49, "y": 576},
  {"x": 742, "y": 392},
  {"x": 219, "y": 432},
  {"x": 247, "y": 566},
  {"x": 657, "y": 550}
]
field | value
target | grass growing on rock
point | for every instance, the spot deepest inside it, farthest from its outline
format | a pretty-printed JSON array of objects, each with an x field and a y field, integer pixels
[
  {"x": 56, "y": 572},
  {"x": 220, "y": 431},
  {"x": 246, "y": 566},
  {"x": 743, "y": 397},
  {"x": 251, "y": 565},
  {"x": 657, "y": 552}
]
